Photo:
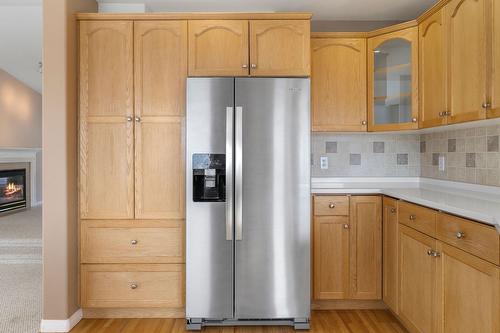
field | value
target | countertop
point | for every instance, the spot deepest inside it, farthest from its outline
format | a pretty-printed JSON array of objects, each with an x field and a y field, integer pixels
[{"x": 475, "y": 202}]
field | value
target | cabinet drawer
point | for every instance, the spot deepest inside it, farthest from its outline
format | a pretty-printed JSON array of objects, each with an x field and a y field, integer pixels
[
  {"x": 331, "y": 205},
  {"x": 472, "y": 237},
  {"x": 132, "y": 242},
  {"x": 418, "y": 217},
  {"x": 121, "y": 285}
]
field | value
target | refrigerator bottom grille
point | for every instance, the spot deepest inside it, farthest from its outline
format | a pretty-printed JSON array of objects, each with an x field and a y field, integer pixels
[{"x": 198, "y": 323}]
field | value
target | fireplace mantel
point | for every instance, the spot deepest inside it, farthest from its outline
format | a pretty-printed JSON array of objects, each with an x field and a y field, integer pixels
[{"x": 24, "y": 156}]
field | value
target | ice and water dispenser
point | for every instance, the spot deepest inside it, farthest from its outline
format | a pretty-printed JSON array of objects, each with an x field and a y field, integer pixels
[{"x": 209, "y": 177}]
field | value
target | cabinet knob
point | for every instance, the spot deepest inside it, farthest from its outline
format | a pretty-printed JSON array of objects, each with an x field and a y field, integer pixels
[
  {"x": 130, "y": 118},
  {"x": 460, "y": 235},
  {"x": 436, "y": 254},
  {"x": 447, "y": 113},
  {"x": 133, "y": 286},
  {"x": 244, "y": 66},
  {"x": 133, "y": 241},
  {"x": 346, "y": 226},
  {"x": 430, "y": 252},
  {"x": 138, "y": 119},
  {"x": 486, "y": 105},
  {"x": 414, "y": 120},
  {"x": 331, "y": 205},
  {"x": 413, "y": 217},
  {"x": 393, "y": 210},
  {"x": 253, "y": 65},
  {"x": 442, "y": 114},
  {"x": 363, "y": 122}
]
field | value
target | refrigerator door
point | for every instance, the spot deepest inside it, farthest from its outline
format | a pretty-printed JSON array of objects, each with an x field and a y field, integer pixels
[
  {"x": 209, "y": 230},
  {"x": 272, "y": 205}
]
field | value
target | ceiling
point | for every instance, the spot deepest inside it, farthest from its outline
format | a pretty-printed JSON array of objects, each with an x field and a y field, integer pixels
[
  {"x": 21, "y": 40},
  {"x": 379, "y": 10}
]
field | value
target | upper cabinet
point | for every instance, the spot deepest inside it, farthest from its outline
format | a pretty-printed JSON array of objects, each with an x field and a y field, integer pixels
[
  {"x": 393, "y": 81},
  {"x": 255, "y": 47},
  {"x": 218, "y": 48},
  {"x": 338, "y": 84},
  {"x": 280, "y": 47},
  {"x": 467, "y": 23},
  {"x": 432, "y": 67},
  {"x": 494, "y": 111}
]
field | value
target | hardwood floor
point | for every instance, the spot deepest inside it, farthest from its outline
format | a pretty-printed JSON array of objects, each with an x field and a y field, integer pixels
[{"x": 338, "y": 321}]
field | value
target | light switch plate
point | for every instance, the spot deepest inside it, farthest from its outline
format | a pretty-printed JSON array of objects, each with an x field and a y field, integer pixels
[
  {"x": 442, "y": 163},
  {"x": 323, "y": 161}
]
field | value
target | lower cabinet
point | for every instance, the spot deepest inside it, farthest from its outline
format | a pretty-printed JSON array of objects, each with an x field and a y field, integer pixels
[
  {"x": 390, "y": 249},
  {"x": 347, "y": 248}
]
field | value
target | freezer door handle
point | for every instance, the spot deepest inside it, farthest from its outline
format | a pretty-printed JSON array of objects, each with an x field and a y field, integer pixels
[
  {"x": 229, "y": 173},
  {"x": 238, "y": 169}
]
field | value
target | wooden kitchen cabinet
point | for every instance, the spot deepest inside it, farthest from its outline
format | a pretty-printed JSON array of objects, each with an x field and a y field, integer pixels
[
  {"x": 393, "y": 81},
  {"x": 338, "y": 84},
  {"x": 106, "y": 155},
  {"x": 417, "y": 281},
  {"x": 390, "y": 250},
  {"x": 218, "y": 48},
  {"x": 432, "y": 75},
  {"x": 468, "y": 293},
  {"x": 467, "y": 24},
  {"x": 280, "y": 47},
  {"x": 160, "y": 88},
  {"x": 365, "y": 247},
  {"x": 494, "y": 71}
]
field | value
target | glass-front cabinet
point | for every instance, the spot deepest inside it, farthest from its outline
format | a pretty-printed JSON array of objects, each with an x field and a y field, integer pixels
[{"x": 393, "y": 81}]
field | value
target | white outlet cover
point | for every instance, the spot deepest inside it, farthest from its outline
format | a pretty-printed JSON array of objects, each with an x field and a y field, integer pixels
[{"x": 323, "y": 162}]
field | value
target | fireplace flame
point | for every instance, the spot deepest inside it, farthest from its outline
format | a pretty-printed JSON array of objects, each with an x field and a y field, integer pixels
[{"x": 12, "y": 189}]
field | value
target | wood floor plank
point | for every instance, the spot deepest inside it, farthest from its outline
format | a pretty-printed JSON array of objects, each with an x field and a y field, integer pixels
[{"x": 322, "y": 321}]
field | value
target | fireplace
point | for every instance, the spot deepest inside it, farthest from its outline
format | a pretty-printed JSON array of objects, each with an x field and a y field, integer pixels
[{"x": 13, "y": 189}]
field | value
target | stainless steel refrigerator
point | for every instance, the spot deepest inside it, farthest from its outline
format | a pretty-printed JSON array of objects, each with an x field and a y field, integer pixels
[{"x": 248, "y": 202}]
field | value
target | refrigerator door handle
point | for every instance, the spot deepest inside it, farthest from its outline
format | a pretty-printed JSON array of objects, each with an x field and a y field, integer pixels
[
  {"x": 238, "y": 169},
  {"x": 229, "y": 173}
]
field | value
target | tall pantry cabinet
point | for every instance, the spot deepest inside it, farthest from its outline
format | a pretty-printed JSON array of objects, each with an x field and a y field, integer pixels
[{"x": 132, "y": 88}]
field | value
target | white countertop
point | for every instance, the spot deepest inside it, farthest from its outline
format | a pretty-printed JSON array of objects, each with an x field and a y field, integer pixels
[{"x": 476, "y": 202}]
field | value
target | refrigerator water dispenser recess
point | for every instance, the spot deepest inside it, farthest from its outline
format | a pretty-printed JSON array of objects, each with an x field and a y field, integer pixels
[{"x": 209, "y": 177}]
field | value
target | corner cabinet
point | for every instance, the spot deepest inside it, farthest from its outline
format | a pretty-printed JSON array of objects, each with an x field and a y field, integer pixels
[
  {"x": 338, "y": 84},
  {"x": 249, "y": 48},
  {"x": 393, "y": 81}
]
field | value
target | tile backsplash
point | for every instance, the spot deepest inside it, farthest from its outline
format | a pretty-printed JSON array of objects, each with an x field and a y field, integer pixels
[
  {"x": 366, "y": 155},
  {"x": 469, "y": 155}
]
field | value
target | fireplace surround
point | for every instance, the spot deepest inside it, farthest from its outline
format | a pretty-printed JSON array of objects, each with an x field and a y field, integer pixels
[{"x": 14, "y": 187}]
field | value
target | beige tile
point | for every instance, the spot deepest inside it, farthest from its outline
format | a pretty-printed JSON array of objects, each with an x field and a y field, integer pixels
[
  {"x": 480, "y": 144},
  {"x": 493, "y": 130},
  {"x": 470, "y": 145},
  {"x": 481, "y": 161},
  {"x": 461, "y": 145},
  {"x": 482, "y": 176},
  {"x": 494, "y": 177},
  {"x": 470, "y": 132},
  {"x": 493, "y": 160},
  {"x": 470, "y": 175}
]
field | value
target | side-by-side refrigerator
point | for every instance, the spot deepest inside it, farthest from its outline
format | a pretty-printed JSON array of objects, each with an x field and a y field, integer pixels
[{"x": 248, "y": 202}]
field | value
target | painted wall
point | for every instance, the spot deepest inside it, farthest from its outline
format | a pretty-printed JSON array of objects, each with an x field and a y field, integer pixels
[
  {"x": 20, "y": 114},
  {"x": 60, "y": 250}
]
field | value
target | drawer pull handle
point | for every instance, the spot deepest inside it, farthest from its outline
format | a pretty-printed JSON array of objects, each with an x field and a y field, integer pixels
[
  {"x": 346, "y": 226},
  {"x": 413, "y": 217},
  {"x": 133, "y": 242},
  {"x": 331, "y": 205},
  {"x": 436, "y": 254},
  {"x": 460, "y": 235},
  {"x": 133, "y": 286},
  {"x": 393, "y": 210}
]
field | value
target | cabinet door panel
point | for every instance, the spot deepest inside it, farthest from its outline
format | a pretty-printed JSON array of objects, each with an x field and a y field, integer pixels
[
  {"x": 432, "y": 68},
  {"x": 366, "y": 247},
  {"x": 466, "y": 35},
  {"x": 470, "y": 292},
  {"x": 218, "y": 48},
  {"x": 331, "y": 257},
  {"x": 495, "y": 60},
  {"x": 417, "y": 280},
  {"x": 390, "y": 253},
  {"x": 280, "y": 47},
  {"x": 338, "y": 84},
  {"x": 106, "y": 135}
]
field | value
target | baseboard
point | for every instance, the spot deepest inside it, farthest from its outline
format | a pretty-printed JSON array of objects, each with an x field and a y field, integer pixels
[
  {"x": 133, "y": 313},
  {"x": 348, "y": 304},
  {"x": 65, "y": 325}
]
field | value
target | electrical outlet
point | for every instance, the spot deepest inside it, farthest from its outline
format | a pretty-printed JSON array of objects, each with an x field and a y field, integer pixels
[
  {"x": 323, "y": 161},
  {"x": 442, "y": 163}
]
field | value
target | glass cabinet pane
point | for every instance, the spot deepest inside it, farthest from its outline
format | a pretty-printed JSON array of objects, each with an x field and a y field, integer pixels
[{"x": 392, "y": 82}]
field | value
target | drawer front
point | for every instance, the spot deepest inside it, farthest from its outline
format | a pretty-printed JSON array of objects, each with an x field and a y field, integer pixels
[
  {"x": 417, "y": 217},
  {"x": 472, "y": 237},
  {"x": 336, "y": 205},
  {"x": 132, "y": 242},
  {"x": 146, "y": 285}
]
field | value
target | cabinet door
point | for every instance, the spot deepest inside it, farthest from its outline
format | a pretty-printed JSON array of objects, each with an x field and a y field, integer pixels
[
  {"x": 466, "y": 36},
  {"x": 280, "y": 47},
  {"x": 390, "y": 253},
  {"x": 366, "y": 247},
  {"x": 417, "y": 281},
  {"x": 432, "y": 68},
  {"x": 338, "y": 84},
  {"x": 218, "y": 48},
  {"x": 495, "y": 60},
  {"x": 393, "y": 81},
  {"x": 160, "y": 76},
  {"x": 106, "y": 127},
  {"x": 331, "y": 257},
  {"x": 469, "y": 292}
]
